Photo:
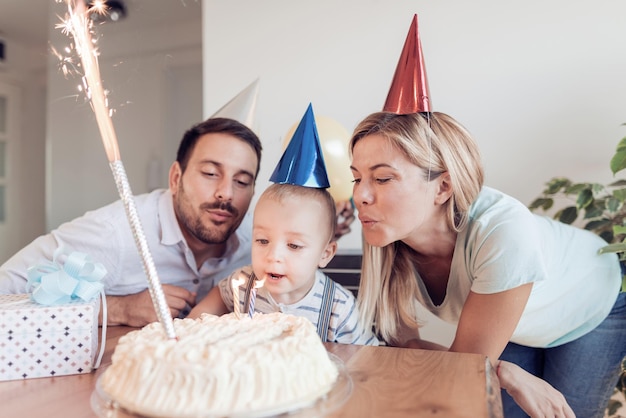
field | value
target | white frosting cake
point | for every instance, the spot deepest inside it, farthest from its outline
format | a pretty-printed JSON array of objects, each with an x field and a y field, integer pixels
[{"x": 220, "y": 366}]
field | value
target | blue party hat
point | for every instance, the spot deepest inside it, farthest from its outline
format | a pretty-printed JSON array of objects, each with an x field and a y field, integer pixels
[{"x": 302, "y": 162}]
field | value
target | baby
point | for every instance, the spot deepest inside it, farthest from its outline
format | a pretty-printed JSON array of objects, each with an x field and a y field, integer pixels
[{"x": 292, "y": 236}]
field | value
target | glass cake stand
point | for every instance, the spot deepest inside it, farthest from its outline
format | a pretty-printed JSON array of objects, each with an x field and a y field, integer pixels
[{"x": 105, "y": 407}]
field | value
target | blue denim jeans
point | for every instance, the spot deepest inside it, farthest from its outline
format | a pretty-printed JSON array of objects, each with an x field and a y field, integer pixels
[{"x": 585, "y": 370}]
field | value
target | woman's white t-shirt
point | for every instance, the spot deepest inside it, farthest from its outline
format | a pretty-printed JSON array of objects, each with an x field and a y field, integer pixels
[{"x": 505, "y": 245}]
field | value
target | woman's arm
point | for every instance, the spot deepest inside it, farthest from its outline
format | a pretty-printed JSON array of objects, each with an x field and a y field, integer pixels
[
  {"x": 487, "y": 321},
  {"x": 486, "y": 325}
]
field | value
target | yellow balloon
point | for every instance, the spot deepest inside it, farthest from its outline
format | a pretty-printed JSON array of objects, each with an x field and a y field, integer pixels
[{"x": 334, "y": 139}]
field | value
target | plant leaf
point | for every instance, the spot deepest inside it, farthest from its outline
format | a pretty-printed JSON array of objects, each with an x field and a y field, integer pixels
[
  {"x": 556, "y": 184},
  {"x": 545, "y": 203},
  {"x": 622, "y": 144},
  {"x": 613, "y": 407},
  {"x": 618, "y": 247},
  {"x": 618, "y": 162},
  {"x": 585, "y": 198},
  {"x": 619, "y": 229},
  {"x": 620, "y": 182},
  {"x": 594, "y": 211},
  {"x": 597, "y": 188},
  {"x": 598, "y": 224},
  {"x": 613, "y": 204},
  {"x": 606, "y": 235},
  {"x": 576, "y": 188},
  {"x": 620, "y": 194},
  {"x": 567, "y": 215}
]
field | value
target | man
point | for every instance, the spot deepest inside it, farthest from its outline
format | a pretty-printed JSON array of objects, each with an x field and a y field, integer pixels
[{"x": 192, "y": 228}]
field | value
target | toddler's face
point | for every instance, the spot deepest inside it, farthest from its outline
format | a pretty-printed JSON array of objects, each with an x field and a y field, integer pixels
[{"x": 290, "y": 240}]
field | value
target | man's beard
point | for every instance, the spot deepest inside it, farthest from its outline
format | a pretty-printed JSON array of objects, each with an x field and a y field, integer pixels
[{"x": 211, "y": 233}]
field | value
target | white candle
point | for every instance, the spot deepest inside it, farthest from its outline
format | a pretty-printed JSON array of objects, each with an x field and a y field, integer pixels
[
  {"x": 257, "y": 284},
  {"x": 235, "y": 284}
]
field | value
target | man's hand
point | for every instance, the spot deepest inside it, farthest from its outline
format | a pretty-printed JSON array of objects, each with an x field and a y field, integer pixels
[
  {"x": 345, "y": 217},
  {"x": 137, "y": 310},
  {"x": 534, "y": 395}
]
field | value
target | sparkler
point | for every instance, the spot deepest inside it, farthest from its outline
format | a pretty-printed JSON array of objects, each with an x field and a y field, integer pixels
[{"x": 77, "y": 24}]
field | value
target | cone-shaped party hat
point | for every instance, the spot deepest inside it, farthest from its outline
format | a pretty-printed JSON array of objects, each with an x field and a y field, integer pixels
[
  {"x": 242, "y": 107},
  {"x": 409, "y": 89},
  {"x": 302, "y": 162}
]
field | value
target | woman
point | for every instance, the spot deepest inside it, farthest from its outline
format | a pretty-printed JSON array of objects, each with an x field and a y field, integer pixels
[{"x": 521, "y": 288}]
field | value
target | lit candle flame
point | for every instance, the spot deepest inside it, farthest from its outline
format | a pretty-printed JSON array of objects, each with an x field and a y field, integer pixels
[{"x": 259, "y": 283}]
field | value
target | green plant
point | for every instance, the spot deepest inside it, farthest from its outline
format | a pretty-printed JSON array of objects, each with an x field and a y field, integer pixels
[{"x": 601, "y": 208}]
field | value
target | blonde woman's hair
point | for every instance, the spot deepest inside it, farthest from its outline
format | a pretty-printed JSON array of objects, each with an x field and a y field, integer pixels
[
  {"x": 437, "y": 144},
  {"x": 282, "y": 192}
]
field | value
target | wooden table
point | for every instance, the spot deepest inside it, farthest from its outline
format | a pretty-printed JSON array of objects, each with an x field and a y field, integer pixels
[{"x": 387, "y": 382}]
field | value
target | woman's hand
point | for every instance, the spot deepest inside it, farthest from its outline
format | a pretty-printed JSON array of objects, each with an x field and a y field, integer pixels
[{"x": 534, "y": 395}]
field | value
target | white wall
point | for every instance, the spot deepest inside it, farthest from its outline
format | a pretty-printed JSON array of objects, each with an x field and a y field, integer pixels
[
  {"x": 154, "y": 81},
  {"x": 539, "y": 83},
  {"x": 23, "y": 73}
]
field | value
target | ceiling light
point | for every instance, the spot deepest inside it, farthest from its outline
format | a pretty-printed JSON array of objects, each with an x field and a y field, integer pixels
[{"x": 114, "y": 11}]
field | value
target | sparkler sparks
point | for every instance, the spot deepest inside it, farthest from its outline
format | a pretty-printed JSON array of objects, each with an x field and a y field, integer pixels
[{"x": 78, "y": 25}]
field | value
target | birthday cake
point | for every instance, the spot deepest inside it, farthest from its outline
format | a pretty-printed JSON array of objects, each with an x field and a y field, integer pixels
[{"x": 220, "y": 366}]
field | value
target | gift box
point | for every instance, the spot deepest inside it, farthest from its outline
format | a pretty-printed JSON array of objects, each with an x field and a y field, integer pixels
[{"x": 43, "y": 341}]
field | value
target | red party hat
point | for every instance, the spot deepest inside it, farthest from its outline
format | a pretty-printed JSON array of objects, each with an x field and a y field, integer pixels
[{"x": 409, "y": 89}]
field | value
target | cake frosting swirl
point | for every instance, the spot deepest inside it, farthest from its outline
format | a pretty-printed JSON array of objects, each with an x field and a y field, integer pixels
[{"x": 220, "y": 366}]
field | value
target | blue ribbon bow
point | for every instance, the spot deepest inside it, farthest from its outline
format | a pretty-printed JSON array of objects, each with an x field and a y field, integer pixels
[{"x": 56, "y": 282}]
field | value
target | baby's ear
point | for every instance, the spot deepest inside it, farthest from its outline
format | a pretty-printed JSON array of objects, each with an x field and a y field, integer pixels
[{"x": 327, "y": 254}]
